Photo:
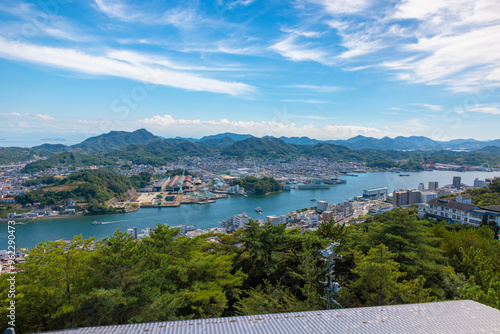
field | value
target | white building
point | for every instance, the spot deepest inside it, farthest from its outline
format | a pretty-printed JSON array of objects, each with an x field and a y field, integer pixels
[
  {"x": 276, "y": 220},
  {"x": 133, "y": 232},
  {"x": 426, "y": 196},
  {"x": 322, "y": 206},
  {"x": 239, "y": 221},
  {"x": 460, "y": 210},
  {"x": 375, "y": 193}
]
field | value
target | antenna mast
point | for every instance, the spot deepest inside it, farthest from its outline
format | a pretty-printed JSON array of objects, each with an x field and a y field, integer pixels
[{"x": 329, "y": 285}]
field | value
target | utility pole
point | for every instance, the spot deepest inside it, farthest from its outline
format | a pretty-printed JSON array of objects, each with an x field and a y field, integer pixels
[{"x": 329, "y": 285}]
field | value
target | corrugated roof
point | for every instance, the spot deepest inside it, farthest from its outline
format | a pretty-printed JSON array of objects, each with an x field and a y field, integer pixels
[
  {"x": 452, "y": 204},
  {"x": 461, "y": 316}
]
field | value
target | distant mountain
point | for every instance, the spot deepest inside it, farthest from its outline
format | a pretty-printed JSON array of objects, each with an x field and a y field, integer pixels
[
  {"x": 219, "y": 143},
  {"x": 261, "y": 147},
  {"x": 114, "y": 140},
  {"x": 489, "y": 149},
  {"x": 160, "y": 151},
  {"x": 51, "y": 148},
  {"x": 300, "y": 140},
  {"x": 234, "y": 136}
]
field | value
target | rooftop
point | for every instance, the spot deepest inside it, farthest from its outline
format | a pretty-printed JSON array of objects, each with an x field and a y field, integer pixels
[
  {"x": 460, "y": 316},
  {"x": 451, "y": 203}
]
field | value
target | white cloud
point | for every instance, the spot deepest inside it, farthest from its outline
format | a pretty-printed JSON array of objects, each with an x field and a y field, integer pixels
[
  {"x": 492, "y": 109},
  {"x": 180, "y": 17},
  {"x": 432, "y": 107},
  {"x": 320, "y": 89},
  {"x": 19, "y": 116},
  {"x": 308, "y": 101},
  {"x": 291, "y": 49},
  {"x": 75, "y": 60},
  {"x": 337, "y": 7},
  {"x": 191, "y": 127}
]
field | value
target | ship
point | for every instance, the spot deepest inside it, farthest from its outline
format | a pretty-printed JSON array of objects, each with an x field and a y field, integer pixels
[
  {"x": 258, "y": 209},
  {"x": 314, "y": 199},
  {"x": 312, "y": 186},
  {"x": 404, "y": 174},
  {"x": 97, "y": 223}
]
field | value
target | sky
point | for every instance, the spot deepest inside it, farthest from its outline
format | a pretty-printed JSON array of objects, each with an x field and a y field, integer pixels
[{"x": 324, "y": 69}]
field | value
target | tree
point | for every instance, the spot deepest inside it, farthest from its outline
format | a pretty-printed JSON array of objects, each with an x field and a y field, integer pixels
[{"x": 377, "y": 276}]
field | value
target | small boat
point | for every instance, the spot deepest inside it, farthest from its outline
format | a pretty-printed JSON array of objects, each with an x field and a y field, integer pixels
[
  {"x": 205, "y": 202},
  {"x": 258, "y": 209},
  {"x": 404, "y": 174},
  {"x": 97, "y": 223},
  {"x": 314, "y": 199}
]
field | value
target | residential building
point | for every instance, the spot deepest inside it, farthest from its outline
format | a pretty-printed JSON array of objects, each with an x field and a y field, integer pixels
[
  {"x": 133, "y": 232},
  {"x": 457, "y": 182},
  {"x": 421, "y": 186},
  {"x": 433, "y": 185},
  {"x": 478, "y": 183},
  {"x": 459, "y": 209},
  {"x": 276, "y": 220},
  {"x": 322, "y": 206},
  {"x": 239, "y": 221},
  {"x": 405, "y": 197},
  {"x": 327, "y": 215},
  {"x": 426, "y": 196}
]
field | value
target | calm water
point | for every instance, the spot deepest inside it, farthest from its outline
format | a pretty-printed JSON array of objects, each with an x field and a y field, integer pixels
[{"x": 209, "y": 215}]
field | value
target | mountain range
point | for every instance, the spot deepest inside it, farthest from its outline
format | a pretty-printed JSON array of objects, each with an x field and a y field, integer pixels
[{"x": 141, "y": 146}]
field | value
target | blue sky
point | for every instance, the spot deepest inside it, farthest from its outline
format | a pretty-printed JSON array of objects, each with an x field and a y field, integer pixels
[{"x": 317, "y": 68}]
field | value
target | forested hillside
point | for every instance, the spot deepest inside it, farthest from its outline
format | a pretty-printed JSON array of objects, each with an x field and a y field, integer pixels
[
  {"x": 392, "y": 258},
  {"x": 91, "y": 186}
]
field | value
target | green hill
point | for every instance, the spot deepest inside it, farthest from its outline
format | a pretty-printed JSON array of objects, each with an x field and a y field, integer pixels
[
  {"x": 73, "y": 159},
  {"x": 114, "y": 140},
  {"x": 160, "y": 152}
]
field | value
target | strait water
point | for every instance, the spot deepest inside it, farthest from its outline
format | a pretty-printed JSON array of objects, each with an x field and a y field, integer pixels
[{"x": 209, "y": 215}]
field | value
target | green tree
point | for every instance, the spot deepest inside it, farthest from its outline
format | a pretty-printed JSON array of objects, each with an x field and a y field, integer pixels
[{"x": 378, "y": 274}]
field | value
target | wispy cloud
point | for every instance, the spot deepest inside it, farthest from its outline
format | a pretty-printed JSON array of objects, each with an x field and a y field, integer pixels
[
  {"x": 75, "y": 60},
  {"x": 168, "y": 124},
  {"x": 28, "y": 21},
  {"x": 432, "y": 107},
  {"x": 19, "y": 116},
  {"x": 308, "y": 101},
  {"x": 320, "y": 89},
  {"x": 492, "y": 109},
  {"x": 180, "y": 17},
  {"x": 290, "y": 48}
]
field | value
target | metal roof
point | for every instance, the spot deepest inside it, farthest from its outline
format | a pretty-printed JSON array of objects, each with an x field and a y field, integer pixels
[{"x": 461, "y": 316}]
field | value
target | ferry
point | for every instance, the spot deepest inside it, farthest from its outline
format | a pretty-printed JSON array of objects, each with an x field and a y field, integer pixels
[
  {"x": 97, "y": 223},
  {"x": 258, "y": 209},
  {"x": 312, "y": 186}
]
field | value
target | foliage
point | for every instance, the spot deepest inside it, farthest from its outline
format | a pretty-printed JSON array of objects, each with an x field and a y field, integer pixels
[
  {"x": 72, "y": 159},
  {"x": 392, "y": 258},
  {"x": 259, "y": 186},
  {"x": 98, "y": 185},
  {"x": 487, "y": 195}
]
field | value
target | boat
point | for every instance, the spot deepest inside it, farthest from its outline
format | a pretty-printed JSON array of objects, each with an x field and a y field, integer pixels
[
  {"x": 97, "y": 223},
  {"x": 206, "y": 202},
  {"x": 404, "y": 174},
  {"x": 314, "y": 199},
  {"x": 258, "y": 209},
  {"x": 355, "y": 175},
  {"x": 312, "y": 186}
]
